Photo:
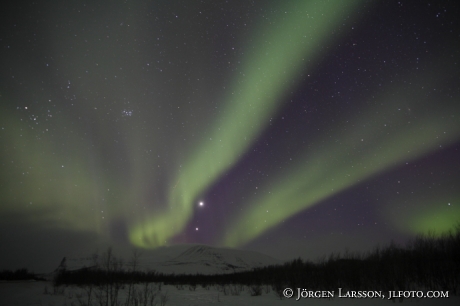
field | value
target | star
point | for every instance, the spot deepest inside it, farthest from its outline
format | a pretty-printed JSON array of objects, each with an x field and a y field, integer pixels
[{"x": 318, "y": 121}]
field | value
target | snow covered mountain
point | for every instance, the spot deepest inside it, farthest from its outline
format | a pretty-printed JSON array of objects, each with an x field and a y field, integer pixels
[
  {"x": 187, "y": 259},
  {"x": 204, "y": 259}
]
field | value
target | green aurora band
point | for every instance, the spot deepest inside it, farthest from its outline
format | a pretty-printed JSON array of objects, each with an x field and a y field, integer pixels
[
  {"x": 48, "y": 195},
  {"x": 388, "y": 140},
  {"x": 434, "y": 214},
  {"x": 280, "y": 54},
  {"x": 75, "y": 198},
  {"x": 437, "y": 221}
]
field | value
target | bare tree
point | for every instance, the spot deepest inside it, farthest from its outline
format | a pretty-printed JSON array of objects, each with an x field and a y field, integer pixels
[{"x": 134, "y": 264}]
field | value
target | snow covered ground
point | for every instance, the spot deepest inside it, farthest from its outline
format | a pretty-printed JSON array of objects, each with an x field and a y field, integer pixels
[{"x": 33, "y": 293}]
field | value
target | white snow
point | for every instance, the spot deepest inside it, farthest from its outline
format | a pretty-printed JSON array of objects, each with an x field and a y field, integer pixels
[
  {"x": 32, "y": 293},
  {"x": 184, "y": 259}
]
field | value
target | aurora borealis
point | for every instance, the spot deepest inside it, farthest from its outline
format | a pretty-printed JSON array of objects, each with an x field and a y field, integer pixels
[{"x": 303, "y": 127}]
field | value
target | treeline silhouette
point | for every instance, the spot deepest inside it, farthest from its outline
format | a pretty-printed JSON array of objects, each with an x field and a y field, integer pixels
[
  {"x": 19, "y": 274},
  {"x": 427, "y": 263}
]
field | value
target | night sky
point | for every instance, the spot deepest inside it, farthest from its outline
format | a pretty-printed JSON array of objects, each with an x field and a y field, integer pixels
[{"x": 294, "y": 128}]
